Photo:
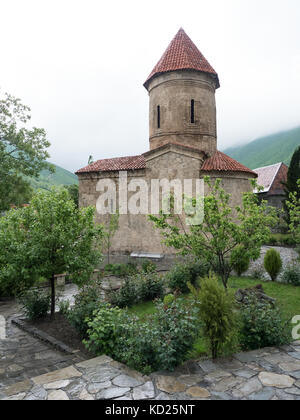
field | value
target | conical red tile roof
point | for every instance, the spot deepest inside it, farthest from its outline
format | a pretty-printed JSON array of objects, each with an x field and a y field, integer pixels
[
  {"x": 182, "y": 54},
  {"x": 220, "y": 162}
]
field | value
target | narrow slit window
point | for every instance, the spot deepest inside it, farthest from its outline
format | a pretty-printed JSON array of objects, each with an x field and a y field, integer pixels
[
  {"x": 192, "y": 111},
  {"x": 158, "y": 116}
]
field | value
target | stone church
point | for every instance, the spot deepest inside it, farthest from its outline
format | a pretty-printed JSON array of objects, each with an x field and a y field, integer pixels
[{"x": 182, "y": 140}]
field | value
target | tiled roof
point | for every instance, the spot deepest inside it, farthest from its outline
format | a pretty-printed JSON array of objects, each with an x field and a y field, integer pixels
[
  {"x": 115, "y": 164},
  {"x": 270, "y": 177},
  {"x": 222, "y": 163},
  {"x": 182, "y": 54}
]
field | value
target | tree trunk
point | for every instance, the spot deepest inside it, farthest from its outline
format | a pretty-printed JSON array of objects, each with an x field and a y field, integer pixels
[{"x": 53, "y": 296}]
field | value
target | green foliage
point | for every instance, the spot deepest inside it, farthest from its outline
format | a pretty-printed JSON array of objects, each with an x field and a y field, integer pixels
[
  {"x": 36, "y": 303},
  {"x": 139, "y": 288},
  {"x": 121, "y": 270},
  {"x": 86, "y": 302},
  {"x": 291, "y": 274},
  {"x": 222, "y": 230},
  {"x": 169, "y": 299},
  {"x": 160, "y": 342},
  {"x": 278, "y": 239},
  {"x": 109, "y": 230},
  {"x": 73, "y": 191},
  {"x": 217, "y": 315},
  {"x": 103, "y": 329},
  {"x": 49, "y": 237},
  {"x": 273, "y": 263},
  {"x": 148, "y": 266},
  {"x": 267, "y": 150},
  {"x": 293, "y": 206},
  {"x": 64, "y": 307},
  {"x": 262, "y": 326},
  {"x": 183, "y": 273},
  {"x": 22, "y": 150},
  {"x": 240, "y": 261},
  {"x": 55, "y": 178}
]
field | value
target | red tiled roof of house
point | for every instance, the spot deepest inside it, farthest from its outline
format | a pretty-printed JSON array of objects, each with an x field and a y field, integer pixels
[
  {"x": 115, "y": 164},
  {"x": 220, "y": 162},
  {"x": 182, "y": 54},
  {"x": 271, "y": 178}
]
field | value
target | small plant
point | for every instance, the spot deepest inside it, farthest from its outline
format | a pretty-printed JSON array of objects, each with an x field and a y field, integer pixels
[
  {"x": 148, "y": 266},
  {"x": 64, "y": 307},
  {"x": 150, "y": 287},
  {"x": 291, "y": 274},
  {"x": 240, "y": 261},
  {"x": 169, "y": 299},
  {"x": 36, "y": 303},
  {"x": 121, "y": 270},
  {"x": 273, "y": 263},
  {"x": 217, "y": 315},
  {"x": 126, "y": 296},
  {"x": 262, "y": 326}
]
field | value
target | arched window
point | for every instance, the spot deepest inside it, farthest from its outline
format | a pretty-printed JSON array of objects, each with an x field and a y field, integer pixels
[
  {"x": 158, "y": 116},
  {"x": 192, "y": 111}
]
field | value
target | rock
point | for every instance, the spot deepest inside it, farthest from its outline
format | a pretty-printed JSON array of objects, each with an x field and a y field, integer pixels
[
  {"x": 18, "y": 388},
  {"x": 248, "y": 357},
  {"x": 94, "y": 362},
  {"x": 144, "y": 392},
  {"x": 36, "y": 393},
  {"x": 95, "y": 387},
  {"x": 216, "y": 376},
  {"x": 295, "y": 354},
  {"x": 190, "y": 380},
  {"x": 113, "y": 392},
  {"x": 290, "y": 367},
  {"x": 84, "y": 395},
  {"x": 15, "y": 397},
  {"x": 251, "y": 386},
  {"x": 274, "y": 359},
  {"x": 57, "y": 384},
  {"x": 58, "y": 395},
  {"x": 265, "y": 395},
  {"x": 162, "y": 396},
  {"x": 229, "y": 364},
  {"x": 57, "y": 375},
  {"x": 293, "y": 391},
  {"x": 295, "y": 374},
  {"x": 243, "y": 295},
  {"x": 275, "y": 380},
  {"x": 208, "y": 366},
  {"x": 169, "y": 384},
  {"x": 14, "y": 368},
  {"x": 226, "y": 384},
  {"x": 198, "y": 392},
  {"x": 245, "y": 373},
  {"x": 126, "y": 381}
]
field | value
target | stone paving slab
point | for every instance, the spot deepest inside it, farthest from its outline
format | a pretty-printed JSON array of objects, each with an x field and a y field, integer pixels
[{"x": 225, "y": 379}]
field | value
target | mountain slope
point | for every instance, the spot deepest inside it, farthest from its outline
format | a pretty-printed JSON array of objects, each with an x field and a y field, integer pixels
[
  {"x": 267, "y": 150},
  {"x": 47, "y": 179}
]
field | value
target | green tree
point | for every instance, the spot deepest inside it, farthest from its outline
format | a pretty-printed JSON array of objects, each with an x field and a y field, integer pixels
[
  {"x": 291, "y": 185},
  {"x": 73, "y": 191},
  {"x": 293, "y": 206},
  {"x": 47, "y": 238},
  {"x": 273, "y": 263},
  {"x": 22, "y": 150},
  {"x": 109, "y": 231},
  {"x": 222, "y": 230}
]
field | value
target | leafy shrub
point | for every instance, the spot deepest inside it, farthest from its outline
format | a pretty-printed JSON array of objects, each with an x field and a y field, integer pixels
[
  {"x": 139, "y": 288},
  {"x": 291, "y": 274},
  {"x": 148, "y": 266},
  {"x": 182, "y": 274},
  {"x": 273, "y": 263},
  {"x": 217, "y": 315},
  {"x": 121, "y": 270},
  {"x": 36, "y": 303},
  {"x": 64, "y": 307},
  {"x": 262, "y": 326},
  {"x": 169, "y": 299},
  {"x": 103, "y": 329},
  {"x": 240, "y": 261},
  {"x": 86, "y": 302},
  {"x": 160, "y": 342}
]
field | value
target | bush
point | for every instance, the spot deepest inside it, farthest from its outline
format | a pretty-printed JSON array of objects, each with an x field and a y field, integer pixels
[
  {"x": 217, "y": 315},
  {"x": 148, "y": 266},
  {"x": 291, "y": 274},
  {"x": 160, "y": 342},
  {"x": 64, "y": 307},
  {"x": 121, "y": 270},
  {"x": 273, "y": 263},
  {"x": 139, "y": 288},
  {"x": 86, "y": 302},
  {"x": 240, "y": 261},
  {"x": 103, "y": 329},
  {"x": 262, "y": 326},
  {"x": 169, "y": 299},
  {"x": 182, "y": 274},
  {"x": 36, "y": 303}
]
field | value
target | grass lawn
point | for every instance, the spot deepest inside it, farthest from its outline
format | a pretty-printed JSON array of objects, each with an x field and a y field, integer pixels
[{"x": 287, "y": 297}]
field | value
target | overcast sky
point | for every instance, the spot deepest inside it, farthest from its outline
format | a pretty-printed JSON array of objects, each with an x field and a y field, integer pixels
[{"x": 81, "y": 65}]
